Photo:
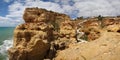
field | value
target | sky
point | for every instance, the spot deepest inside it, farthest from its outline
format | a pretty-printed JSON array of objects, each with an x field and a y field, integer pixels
[{"x": 11, "y": 11}]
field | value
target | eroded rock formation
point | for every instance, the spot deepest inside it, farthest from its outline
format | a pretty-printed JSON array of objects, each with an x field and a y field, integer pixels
[
  {"x": 38, "y": 37},
  {"x": 105, "y": 48},
  {"x": 31, "y": 41},
  {"x": 50, "y": 35}
]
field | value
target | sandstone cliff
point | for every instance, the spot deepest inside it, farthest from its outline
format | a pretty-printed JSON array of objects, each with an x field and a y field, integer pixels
[
  {"x": 51, "y": 35},
  {"x": 41, "y": 35}
]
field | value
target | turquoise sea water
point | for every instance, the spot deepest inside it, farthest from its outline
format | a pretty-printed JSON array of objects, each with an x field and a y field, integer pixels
[{"x": 6, "y": 37}]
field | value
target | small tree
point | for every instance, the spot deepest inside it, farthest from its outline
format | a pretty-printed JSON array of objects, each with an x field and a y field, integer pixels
[
  {"x": 118, "y": 16},
  {"x": 100, "y": 18},
  {"x": 80, "y": 17},
  {"x": 56, "y": 26}
]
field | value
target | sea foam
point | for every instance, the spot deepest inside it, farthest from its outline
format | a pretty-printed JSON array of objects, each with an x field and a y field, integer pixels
[{"x": 5, "y": 46}]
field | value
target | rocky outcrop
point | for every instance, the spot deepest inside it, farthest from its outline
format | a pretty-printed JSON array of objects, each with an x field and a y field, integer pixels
[
  {"x": 93, "y": 28},
  {"x": 31, "y": 41},
  {"x": 105, "y": 48},
  {"x": 67, "y": 35},
  {"x": 38, "y": 37},
  {"x": 112, "y": 25},
  {"x": 42, "y": 15},
  {"x": 51, "y": 35}
]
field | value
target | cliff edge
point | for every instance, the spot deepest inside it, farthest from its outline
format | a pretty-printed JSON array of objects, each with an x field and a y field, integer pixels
[{"x": 55, "y": 36}]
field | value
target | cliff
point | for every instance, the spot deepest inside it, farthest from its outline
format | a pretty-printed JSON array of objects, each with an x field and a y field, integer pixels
[
  {"x": 51, "y": 35},
  {"x": 41, "y": 35}
]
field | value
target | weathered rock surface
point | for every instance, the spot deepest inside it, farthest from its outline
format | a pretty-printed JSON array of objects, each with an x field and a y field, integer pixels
[
  {"x": 66, "y": 36},
  {"x": 35, "y": 39},
  {"x": 42, "y": 15},
  {"x": 47, "y": 35},
  {"x": 94, "y": 28},
  {"x": 30, "y": 40},
  {"x": 105, "y": 48}
]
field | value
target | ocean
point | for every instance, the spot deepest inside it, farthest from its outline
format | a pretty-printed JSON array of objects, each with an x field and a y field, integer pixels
[{"x": 6, "y": 41}]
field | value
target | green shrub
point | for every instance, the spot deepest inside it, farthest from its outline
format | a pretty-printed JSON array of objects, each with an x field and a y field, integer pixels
[
  {"x": 100, "y": 18},
  {"x": 84, "y": 37},
  {"x": 55, "y": 25}
]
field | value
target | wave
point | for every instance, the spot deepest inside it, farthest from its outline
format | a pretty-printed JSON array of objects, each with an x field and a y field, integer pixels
[{"x": 4, "y": 47}]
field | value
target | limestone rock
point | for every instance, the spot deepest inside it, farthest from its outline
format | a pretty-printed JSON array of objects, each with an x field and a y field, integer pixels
[
  {"x": 30, "y": 40},
  {"x": 46, "y": 35},
  {"x": 67, "y": 35},
  {"x": 17, "y": 54},
  {"x": 112, "y": 25},
  {"x": 41, "y": 15},
  {"x": 93, "y": 28},
  {"x": 105, "y": 48}
]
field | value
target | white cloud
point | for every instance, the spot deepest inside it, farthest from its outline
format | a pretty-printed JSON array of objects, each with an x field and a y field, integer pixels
[
  {"x": 3, "y": 18},
  {"x": 74, "y": 8},
  {"x": 5, "y": 21},
  {"x": 95, "y": 8}
]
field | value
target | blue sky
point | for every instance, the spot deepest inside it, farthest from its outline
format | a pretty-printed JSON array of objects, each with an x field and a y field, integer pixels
[
  {"x": 12, "y": 10},
  {"x": 4, "y": 8}
]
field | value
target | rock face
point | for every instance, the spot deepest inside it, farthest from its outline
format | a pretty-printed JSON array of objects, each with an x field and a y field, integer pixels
[
  {"x": 105, "y": 48},
  {"x": 35, "y": 39},
  {"x": 66, "y": 35},
  {"x": 94, "y": 28},
  {"x": 31, "y": 41},
  {"x": 50, "y": 35},
  {"x": 41, "y": 15}
]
